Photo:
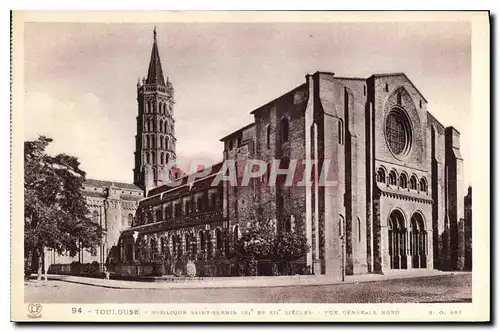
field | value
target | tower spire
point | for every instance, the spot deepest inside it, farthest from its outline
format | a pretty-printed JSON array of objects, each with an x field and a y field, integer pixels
[
  {"x": 155, "y": 73},
  {"x": 155, "y": 139}
]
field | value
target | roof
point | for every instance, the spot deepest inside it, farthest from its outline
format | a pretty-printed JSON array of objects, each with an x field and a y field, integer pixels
[
  {"x": 237, "y": 131},
  {"x": 214, "y": 169},
  {"x": 92, "y": 194},
  {"x": 278, "y": 98},
  {"x": 349, "y": 78},
  {"x": 400, "y": 74},
  {"x": 105, "y": 184},
  {"x": 436, "y": 120},
  {"x": 155, "y": 73}
]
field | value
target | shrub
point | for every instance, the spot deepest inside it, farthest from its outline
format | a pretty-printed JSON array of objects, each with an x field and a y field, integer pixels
[
  {"x": 251, "y": 268},
  {"x": 223, "y": 268}
]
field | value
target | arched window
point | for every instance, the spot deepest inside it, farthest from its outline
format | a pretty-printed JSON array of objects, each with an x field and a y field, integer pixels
[
  {"x": 284, "y": 129},
  {"x": 268, "y": 136},
  {"x": 218, "y": 239},
  {"x": 211, "y": 200},
  {"x": 166, "y": 127},
  {"x": 148, "y": 161},
  {"x": 413, "y": 182},
  {"x": 381, "y": 175},
  {"x": 199, "y": 204},
  {"x": 95, "y": 217},
  {"x": 287, "y": 224},
  {"x": 174, "y": 245},
  {"x": 130, "y": 219},
  {"x": 153, "y": 157},
  {"x": 209, "y": 245},
  {"x": 423, "y": 185},
  {"x": 163, "y": 245},
  {"x": 150, "y": 125},
  {"x": 167, "y": 143},
  {"x": 392, "y": 178},
  {"x": 341, "y": 131},
  {"x": 154, "y": 245},
  {"x": 164, "y": 108},
  {"x": 162, "y": 158},
  {"x": 161, "y": 126},
  {"x": 187, "y": 240},
  {"x": 403, "y": 181}
]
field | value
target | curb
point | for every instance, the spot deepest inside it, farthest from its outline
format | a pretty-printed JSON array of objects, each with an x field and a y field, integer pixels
[{"x": 167, "y": 286}]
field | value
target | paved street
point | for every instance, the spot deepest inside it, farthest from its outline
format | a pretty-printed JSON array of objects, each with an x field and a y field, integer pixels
[{"x": 445, "y": 288}]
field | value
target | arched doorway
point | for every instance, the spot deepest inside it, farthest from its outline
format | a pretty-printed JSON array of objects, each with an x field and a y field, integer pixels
[
  {"x": 418, "y": 242},
  {"x": 397, "y": 240}
]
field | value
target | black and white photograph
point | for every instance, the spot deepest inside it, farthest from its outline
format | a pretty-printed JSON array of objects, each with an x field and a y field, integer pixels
[{"x": 174, "y": 161}]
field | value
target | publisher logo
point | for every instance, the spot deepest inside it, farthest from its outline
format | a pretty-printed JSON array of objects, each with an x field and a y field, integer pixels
[{"x": 34, "y": 310}]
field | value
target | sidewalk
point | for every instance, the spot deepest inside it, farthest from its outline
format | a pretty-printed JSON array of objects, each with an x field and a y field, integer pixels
[{"x": 247, "y": 282}]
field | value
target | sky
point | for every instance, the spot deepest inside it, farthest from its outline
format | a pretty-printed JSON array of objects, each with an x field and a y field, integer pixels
[{"x": 80, "y": 78}]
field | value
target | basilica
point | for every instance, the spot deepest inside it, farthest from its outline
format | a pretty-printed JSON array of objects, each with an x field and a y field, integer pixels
[{"x": 397, "y": 204}]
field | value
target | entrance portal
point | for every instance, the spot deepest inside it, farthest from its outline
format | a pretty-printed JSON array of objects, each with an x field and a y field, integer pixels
[
  {"x": 397, "y": 240},
  {"x": 418, "y": 242}
]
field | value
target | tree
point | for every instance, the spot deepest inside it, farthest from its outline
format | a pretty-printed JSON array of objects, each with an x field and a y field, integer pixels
[
  {"x": 291, "y": 246},
  {"x": 55, "y": 213},
  {"x": 257, "y": 241}
]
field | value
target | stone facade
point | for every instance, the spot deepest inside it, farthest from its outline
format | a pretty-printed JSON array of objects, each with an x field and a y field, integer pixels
[
  {"x": 397, "y": 179},
  {"x": 112, "y": 205},
  {"x": 185, "y": 218},
  {"x": 392, "y": 201}
]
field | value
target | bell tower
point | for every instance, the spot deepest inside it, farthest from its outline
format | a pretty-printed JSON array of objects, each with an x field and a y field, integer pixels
[{"x": 155, "y": 139}]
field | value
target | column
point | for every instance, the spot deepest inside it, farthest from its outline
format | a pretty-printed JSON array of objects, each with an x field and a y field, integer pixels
[{"x": 409, "y": 249}]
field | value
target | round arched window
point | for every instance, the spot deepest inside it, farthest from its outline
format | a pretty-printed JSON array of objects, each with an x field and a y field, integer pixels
[{"x": 398, "y": 131}]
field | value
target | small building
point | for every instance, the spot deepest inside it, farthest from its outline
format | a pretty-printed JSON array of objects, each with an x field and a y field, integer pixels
[{"x": 113, "y": 206}]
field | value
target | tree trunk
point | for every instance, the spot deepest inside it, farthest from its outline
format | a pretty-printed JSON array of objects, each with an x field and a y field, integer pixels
[
  {"x": 46, "y": 265},
  {"x": 28, "y": 265},
  {"x": 34, "y": 261},
  {"x": 40, "y": 265}
]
